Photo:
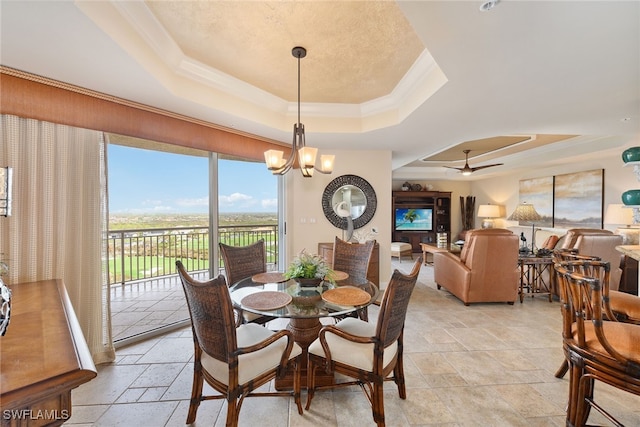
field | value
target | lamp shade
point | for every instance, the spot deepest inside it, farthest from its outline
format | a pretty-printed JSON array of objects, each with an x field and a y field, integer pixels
[
  {"x": 525, "y": 212},
  {"x": 489, "y": 211},
  {"x": 618, "y": 214}
]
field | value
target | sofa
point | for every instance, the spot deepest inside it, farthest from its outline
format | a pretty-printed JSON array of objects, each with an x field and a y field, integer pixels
[{"x": 486, "y": 270}]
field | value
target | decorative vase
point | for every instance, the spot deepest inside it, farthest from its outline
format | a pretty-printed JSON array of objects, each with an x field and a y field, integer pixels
[
  {"x": 631, "y": 197},
  {"x": 631, "y": 155},
  {"x": 313, "y": 282}
]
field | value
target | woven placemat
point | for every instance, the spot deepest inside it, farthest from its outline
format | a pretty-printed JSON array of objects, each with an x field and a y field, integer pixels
[
  {"x": 340, "y": 275},
  {"x": 266, "y": 300},
  {"x": 346, "y": 295},
  {"x": 270, "y": 277}
]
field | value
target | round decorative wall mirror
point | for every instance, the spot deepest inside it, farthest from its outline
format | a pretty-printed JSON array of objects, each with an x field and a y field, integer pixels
[{"x": 349, "y": 195}]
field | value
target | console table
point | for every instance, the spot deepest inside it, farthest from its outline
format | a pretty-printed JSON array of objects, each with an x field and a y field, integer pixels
[
  {"x": 432, "y": 248},
  {"x": 43, "y": 356}
]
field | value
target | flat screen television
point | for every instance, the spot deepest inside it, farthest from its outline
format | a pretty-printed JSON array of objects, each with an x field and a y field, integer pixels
[{"x": 414, "y": 219}]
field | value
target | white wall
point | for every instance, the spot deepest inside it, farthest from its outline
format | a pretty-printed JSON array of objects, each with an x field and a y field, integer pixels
[
  {"x": 504, "y": 190},
  {"x": 306, "y": 224}
]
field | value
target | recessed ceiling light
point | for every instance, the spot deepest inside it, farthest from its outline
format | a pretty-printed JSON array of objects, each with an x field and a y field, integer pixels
[{"x": 488, "y": 5}]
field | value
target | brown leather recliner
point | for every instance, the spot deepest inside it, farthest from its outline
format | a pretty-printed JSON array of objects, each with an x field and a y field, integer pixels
[
  {"x": 487, "y": 269},
  {"x": 600, "y": 243}
]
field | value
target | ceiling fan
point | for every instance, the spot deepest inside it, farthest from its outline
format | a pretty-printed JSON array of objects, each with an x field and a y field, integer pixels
[{"x": 467, "y": 170}]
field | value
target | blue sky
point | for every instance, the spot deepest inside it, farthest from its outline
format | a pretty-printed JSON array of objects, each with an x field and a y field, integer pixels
[{"x": 146, "y": 181}]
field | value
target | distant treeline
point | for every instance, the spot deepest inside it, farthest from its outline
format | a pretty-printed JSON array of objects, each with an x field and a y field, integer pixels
[{"x": 141, "y": 221}]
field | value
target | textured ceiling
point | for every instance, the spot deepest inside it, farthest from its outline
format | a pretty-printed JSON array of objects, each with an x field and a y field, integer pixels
[
  {"x": 415, "y": 78},
  {"x": 357, "y": 51}
]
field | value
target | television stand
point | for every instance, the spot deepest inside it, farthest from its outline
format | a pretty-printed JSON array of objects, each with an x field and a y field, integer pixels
[{"x": 438, "y": 201}]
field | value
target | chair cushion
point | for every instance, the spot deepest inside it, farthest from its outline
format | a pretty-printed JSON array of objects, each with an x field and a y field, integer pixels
[
  {"x": 250, "y": 365},
  {"x": 624, "y": 303},
  {"x": 350, "y": 353},
  {"x": 623, "y": 337}
]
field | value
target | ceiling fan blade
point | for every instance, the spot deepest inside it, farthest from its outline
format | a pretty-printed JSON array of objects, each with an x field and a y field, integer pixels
[
  {"x": 486, "y": 166},
  {"x": 451, "y": 167}
]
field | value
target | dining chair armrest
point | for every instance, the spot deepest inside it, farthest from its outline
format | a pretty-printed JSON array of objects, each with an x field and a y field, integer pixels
[
  {"x": 239, "y": 316},
  {"x": 333, "y": 329}
]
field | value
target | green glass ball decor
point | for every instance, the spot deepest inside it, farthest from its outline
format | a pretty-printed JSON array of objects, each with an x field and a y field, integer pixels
[
  {"x": 631, "y": 155},
  {"x": 631, "y": 197}
]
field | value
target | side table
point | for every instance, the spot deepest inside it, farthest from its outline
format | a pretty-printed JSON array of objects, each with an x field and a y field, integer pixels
[{"x": 531, "y": 269}]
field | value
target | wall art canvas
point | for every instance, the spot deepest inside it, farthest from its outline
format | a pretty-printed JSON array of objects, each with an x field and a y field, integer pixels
[
  {"x": 539, "y": 193},
  {"x": 578, "y": 199}
]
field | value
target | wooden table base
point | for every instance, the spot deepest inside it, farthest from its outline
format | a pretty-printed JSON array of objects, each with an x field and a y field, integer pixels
[{"x": 305, "y": 331}]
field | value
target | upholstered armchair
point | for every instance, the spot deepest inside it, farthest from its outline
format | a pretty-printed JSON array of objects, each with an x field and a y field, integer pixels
[
  {"x": 486, "y": 271},
  {"x": 599, "y": 243}
]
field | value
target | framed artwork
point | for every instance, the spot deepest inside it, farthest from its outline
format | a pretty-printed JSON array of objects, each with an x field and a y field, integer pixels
[
  {"x": 539, "y": 193},
  {"x": 578, "y": 199}
]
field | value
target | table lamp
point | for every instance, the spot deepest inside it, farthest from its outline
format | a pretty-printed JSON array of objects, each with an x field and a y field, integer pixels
[
  {"x": 488, "y": 212},
  {"x": 527, "y": 213},
  {"x": 618, "y": 214}
]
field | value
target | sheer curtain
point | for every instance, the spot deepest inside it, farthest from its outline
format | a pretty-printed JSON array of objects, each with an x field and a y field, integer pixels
[{"x": 59, "y": 222}]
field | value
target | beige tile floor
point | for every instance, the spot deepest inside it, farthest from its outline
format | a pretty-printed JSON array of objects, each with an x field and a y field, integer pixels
[{"x": 482, "y": 365}]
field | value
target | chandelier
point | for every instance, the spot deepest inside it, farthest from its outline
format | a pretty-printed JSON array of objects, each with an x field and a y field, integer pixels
[{"x": 306, "y": 155}]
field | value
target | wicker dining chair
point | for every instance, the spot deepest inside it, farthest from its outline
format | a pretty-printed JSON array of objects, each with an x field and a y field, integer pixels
[
  {"x": 233, "y": 361},
  {"x": 617, "y": 305},
  {"x": 241, "y": 262},
  {"x": 596, "y": 348},
  {"x": 364, "y": 351},
  {"x": 353, "y": 259}
]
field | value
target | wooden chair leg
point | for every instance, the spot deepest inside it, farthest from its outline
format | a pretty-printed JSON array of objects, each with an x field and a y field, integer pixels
[
  {"x": 583, "y": 407},
  {"x": 196, "y": 394},
  {"x": 232, "y": 412},
  {"x": 575, "y": 373},
  {"x": 562, "y": 370},
  {"x": 377, "y": 402},
  {"x": 398, "y": 374}
]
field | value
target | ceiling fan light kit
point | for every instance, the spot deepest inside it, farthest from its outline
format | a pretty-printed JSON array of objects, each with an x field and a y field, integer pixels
[{"x": 468, "y": 170}]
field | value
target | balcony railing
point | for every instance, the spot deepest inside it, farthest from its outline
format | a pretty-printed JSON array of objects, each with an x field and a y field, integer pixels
[{"x": 141, "y": 254}]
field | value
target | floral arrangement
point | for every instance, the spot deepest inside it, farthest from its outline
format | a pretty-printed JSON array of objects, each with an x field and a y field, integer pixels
[{"x": 309, "y": 266}]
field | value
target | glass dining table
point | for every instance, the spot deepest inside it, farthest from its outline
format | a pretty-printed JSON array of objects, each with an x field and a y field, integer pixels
[{"x": 269, "y": 294}]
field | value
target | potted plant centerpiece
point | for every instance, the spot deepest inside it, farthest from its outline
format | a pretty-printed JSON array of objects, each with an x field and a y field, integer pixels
[{"x": 309, "y": 270}]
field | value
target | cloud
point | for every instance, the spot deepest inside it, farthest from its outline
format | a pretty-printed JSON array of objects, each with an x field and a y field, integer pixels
[
  {"x": 271, "y": 204},
  {"x": 234, "y": 198},
  {"x": 200, "y": 201},
  {"x": 235, "y": 201}
]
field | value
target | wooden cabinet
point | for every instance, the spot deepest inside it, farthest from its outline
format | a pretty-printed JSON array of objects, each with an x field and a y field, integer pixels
[
  {"x": 438, "y": 203},
  {"x": 629, "y": 280},
  {"x": 42, "y": 356},
  {"x": 325, "y": 250}
]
